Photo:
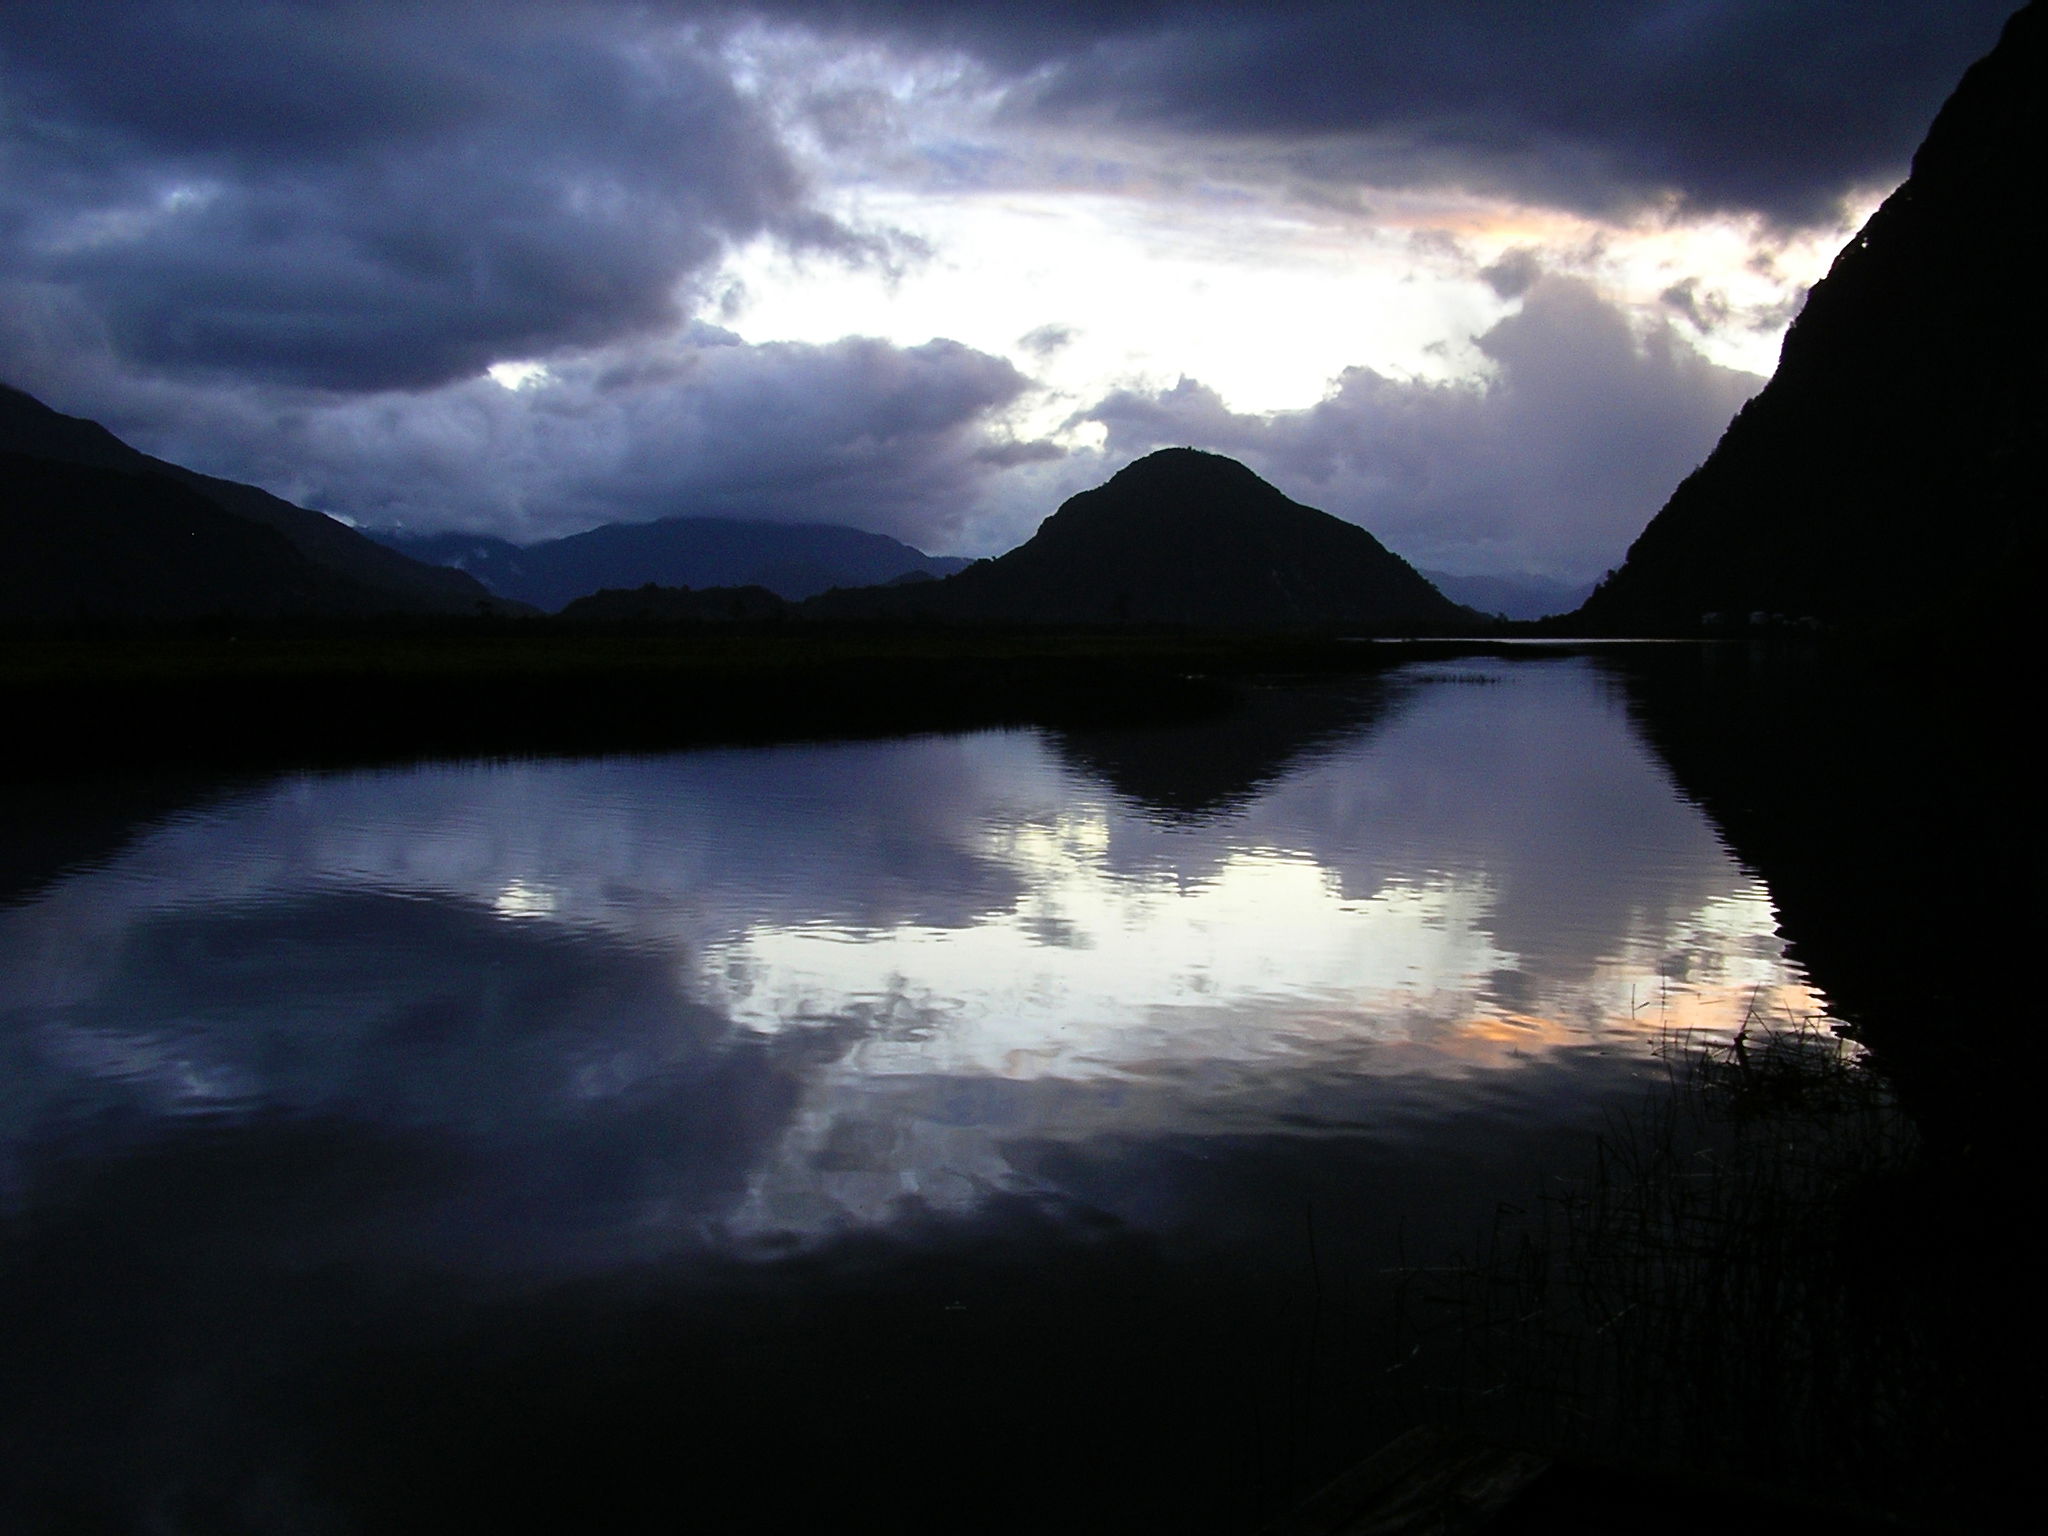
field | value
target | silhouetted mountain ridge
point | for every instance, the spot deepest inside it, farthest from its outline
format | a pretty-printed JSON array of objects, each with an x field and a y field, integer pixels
[
  {"x": 1187, "y": 538},
  {"x": 651, "y": 604},
  {"x": 350, "y": 573},
  {"x": 1891, "y": 471},
  {"x": 792, "y": 560},
  {"x": 78, "y": 542},
  {"x": 1515, "y": 596}
]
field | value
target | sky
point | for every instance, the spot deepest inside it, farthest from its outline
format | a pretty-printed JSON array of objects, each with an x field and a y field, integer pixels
[{"x": 1488, "y": 278}]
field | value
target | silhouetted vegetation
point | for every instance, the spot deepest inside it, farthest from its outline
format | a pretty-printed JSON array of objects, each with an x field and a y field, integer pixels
[
  {"x": 1750, "y": 1286},
  {"x": 649, "y": 604},
  {"x": 1882, "y": 793},
  {"x": 1793, "y": 1268}
]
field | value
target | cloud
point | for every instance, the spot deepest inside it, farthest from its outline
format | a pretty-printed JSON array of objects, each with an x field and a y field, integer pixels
[
  {"x": 1047, "y": 340},
  {"x": 1008, "y": 455},
  {"x": 284, "y": 241},
  {"x": 376, "y": 196},
  {"x": 1514, "y": 274},
  {"x": 1600, "y": 106},
  {"x": 895, "y": 439},
  {"x": 1552, "y": 465},
  {"x": 1703, "y": 311}
]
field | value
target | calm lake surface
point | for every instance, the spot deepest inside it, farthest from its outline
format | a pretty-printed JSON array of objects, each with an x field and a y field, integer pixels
[{"x": 1010, "y": 1130}]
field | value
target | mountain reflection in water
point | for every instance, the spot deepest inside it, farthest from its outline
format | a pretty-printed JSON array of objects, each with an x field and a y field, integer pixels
[{"x": 805, "y": 1029}]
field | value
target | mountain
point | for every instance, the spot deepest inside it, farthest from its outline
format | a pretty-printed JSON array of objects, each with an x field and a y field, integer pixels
[
  {"x": 78, "y": 542},
  {"x": 1182, "y": 537},
  {"x": 57, "y": 465},
  {"x": 1891, "y": 471},
  {"x": 1512, "y": 597},
  {"x": 676, "y": 605},
  {"x": 792, "y": 560}
]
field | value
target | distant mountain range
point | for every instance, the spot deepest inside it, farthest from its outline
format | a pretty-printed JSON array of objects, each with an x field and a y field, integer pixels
[
  {"x": 95, "y": 529},
  {"x": 651, "y": 604},
  {"x": 91, "y": 528},
  {"x": 792, "y": 560},
  {"x": 1181, "y": 537},
  {"x": 1891, "y": 472},
  {"x": 1512, "y": 597}
]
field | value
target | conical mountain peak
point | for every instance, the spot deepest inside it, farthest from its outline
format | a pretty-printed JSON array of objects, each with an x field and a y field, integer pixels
[
  {"x": 1190, "y": 468},
  {"x": 1186, "y": 537}
]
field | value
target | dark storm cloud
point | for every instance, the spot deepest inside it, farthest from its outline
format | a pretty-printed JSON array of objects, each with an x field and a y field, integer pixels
[
  {"x": 1047, "y": 340},
  {"x": 366, "y": 196},
  {"x": 362, "y": 194},
  {"x": 1602, "y": 106},
  {"x": 1008, "y": 455},
  {"x": 1553, "y": 465},
  {"x": 1703, "y": 311},
  {"x": 281, "y": 241},
  {"x": 889, "y": 438},
  {"x": 894, "y": 439},
  {"x": 1513, "y": 274}
]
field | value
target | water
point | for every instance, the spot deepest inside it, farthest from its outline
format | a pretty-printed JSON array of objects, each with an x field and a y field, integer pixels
[{"x": 1002, "y": 1130}]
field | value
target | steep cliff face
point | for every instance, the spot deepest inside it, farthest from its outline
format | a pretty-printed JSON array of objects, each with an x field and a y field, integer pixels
[{"x": 1891, "y": 472}]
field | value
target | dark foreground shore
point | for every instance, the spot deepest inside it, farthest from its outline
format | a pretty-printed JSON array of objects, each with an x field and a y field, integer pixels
[
  {"x": 1792, "y": 1343},
  {"x": 314, "y": 696}
]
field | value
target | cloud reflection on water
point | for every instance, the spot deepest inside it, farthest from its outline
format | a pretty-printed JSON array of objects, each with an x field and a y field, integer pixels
[{"x": 754, "y": 992}]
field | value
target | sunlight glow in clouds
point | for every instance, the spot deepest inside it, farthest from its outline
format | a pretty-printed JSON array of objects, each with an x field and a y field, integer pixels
[
  {"x": 1109, "y": 261},
  {"x": 1264, "y": 303},
  {"x": 516, "y": 376},
  {"x": 1266, "y": 307},
  {"x": 466, "y": 268}
]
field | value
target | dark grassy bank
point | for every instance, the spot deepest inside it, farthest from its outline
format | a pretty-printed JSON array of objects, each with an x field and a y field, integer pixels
[
  {"x": 1794, "y": 1274},
  {"x": 1750, "y": 1289},
  {"x": 116, "y": 728},
  {"x": 1880, "y": 788},
  {"x": 308, "y": 695}
]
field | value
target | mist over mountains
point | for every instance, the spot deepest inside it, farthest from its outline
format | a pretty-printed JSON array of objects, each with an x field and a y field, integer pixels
[{"x": 1512, "y": 597}]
